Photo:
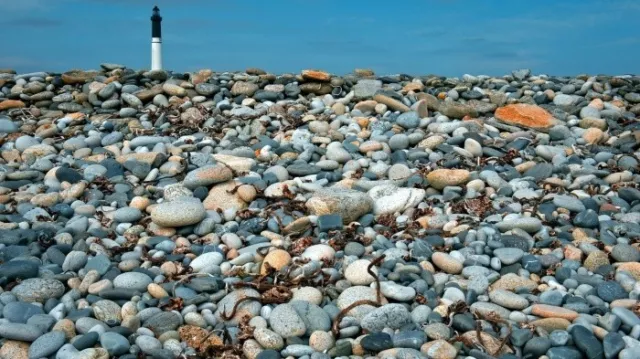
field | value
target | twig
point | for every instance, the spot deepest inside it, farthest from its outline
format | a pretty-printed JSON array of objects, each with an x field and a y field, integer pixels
[
  {"x": 378, "y": 303},
  {"x": 226, "y": 317},
  {"x": 336, "y": 322},
  {"x": 375, "y": 276}
]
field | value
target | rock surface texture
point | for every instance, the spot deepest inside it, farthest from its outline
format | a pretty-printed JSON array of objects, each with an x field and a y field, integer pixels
[{"x": 256, "y": 215}]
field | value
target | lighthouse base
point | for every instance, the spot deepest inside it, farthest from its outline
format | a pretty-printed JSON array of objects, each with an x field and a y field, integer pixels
[{"x": 156, "y": 53}]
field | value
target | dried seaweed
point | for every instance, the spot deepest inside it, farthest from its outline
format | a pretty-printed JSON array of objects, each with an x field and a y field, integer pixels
[{"x": 335, "y": 327}]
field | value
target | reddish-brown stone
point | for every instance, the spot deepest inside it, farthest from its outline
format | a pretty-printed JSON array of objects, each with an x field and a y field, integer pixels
[
  {"x": 316, "y": 75},
  {"x": 8, "y": 104},
  {"x": 525, "y": 115}
]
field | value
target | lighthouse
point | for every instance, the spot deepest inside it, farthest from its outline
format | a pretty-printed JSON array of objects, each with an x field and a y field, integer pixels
[{"x": 156, "y": 40}]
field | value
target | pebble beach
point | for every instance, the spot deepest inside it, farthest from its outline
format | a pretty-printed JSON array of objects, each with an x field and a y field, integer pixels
[{"x": 157, "y": 214}]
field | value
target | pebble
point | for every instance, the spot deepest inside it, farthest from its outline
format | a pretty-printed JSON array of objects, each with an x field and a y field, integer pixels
[
  {"x": 178, "y": 213},
  {"x": 38, "y": 290},
  {"x": 447, "y": 263},
  {"x": 114, "y": 343},
  {"x": 132, "y": 280},
  {"x": 46, "y": 345},
  {"x": 357, "y": 274},
  {"x": 286, "y": 322},
  {"x": 508, "y": 299},
  {"x": 170, "y": 196},
  {"x": 393, "y": 316}
]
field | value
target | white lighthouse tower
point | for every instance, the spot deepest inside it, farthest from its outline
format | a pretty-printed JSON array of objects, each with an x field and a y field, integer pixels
[{"x": 156, "y": 40}]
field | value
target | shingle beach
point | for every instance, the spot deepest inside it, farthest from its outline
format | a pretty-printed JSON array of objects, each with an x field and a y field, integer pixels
[{"x": 157, "y": 214}]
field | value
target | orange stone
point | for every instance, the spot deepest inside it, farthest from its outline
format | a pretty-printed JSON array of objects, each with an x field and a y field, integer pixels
[
  {"x": 9, "y": 104},
  {"x": 363, "y": 122},
  {"x": 551, "y": 311},
  {"x": 110, "y": 79},
  {"x": 580, "y": 235},
  {"x": 600, "y": 333},
  {"x": 424, "y": 221},
  {"x": 442, "y": 95},
  {"x": 413, "y": 86},
  {"x": 632, "y": 268},
  {"x": 530, "y": 116},
  {"x": 624, "y": 303},
  {"x": 14, "y": 349},
  {"x": 618, "y": 103},
  {"x": 276, "y": 259},
  {"x": 593, "y": 136},
  {"x": 572, "y": 253},
  {"x": 201, "y": 76},
  {"x": 597, "y": 104},
  {"x": 316, "y": 75}
]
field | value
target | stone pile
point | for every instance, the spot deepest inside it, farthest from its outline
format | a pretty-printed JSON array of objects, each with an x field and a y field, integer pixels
[{"x": 191, "y": 215}]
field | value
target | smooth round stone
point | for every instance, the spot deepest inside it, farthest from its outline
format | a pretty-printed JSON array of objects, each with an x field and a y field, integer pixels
[
  {"x": 24, "y": 142},
  {"x": 354, "y": 249},
  {"x": 587, "y": 219},
  {"x": 537, "y": 346},
  {"x": 399, "y": 142},
  {"x": 206, "y": 260},
  {"x": 357, "y": 274},
  {"x": 508, "y": 256},
  {"x": 586, "y": 342},
  {"x": 107, "y": 311},
  {"x": 38, "y": 290},
  {"x": 148, "y": 344},
  {"x": 127, "y": 215},
  {"x": 18, "y": 269},
  {"x": 354, "y": 294},
  {"x": 551, "y": 297},
  {"x": 520, "y": 336},
  {"x": 178, "y": 213},
  {"x": 46, "y": 345},
  {"x": 268, "y": 339},
  {"x": 285, "y": 321},
  {"x": 74, "y": 261},
  {"x": 66, "y": 174},
  {"x": 397, "y": 292},
  {"x": 473, "y": 147},
  {"x": 19, "y": 331},
  {"x": 625, "y": 253},
  {"x": 508, "y": 299},
  {"x": 132, "y": 280},
  {"x": 163, "y": 322},
  {"x": 447, "y": 263},
  {"x": 454, "y": 295},
  {"x": 376, "y": 342},
  {"x": 409, "y": 339},
  {"x": 612, "y": 344},
  {"x": 19, "y": 312},
  {"x": 437, "y": 331},
  {"x": 114, "y": 343},
  {"x": 319, "y": 252},
  {"x": 478, "y": 284},
  {"x": 321, "y": 341},
  {"x": 610, "y": 291},
  {"x": 564, "y": 353},
  {"x": 392, "y": 316},
  {"x": 269, "y": 354},
  {"x": 559, "y": 338}
]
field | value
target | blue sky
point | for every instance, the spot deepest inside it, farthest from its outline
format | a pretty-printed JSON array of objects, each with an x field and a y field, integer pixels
[{"x": 445, "y": 37}]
